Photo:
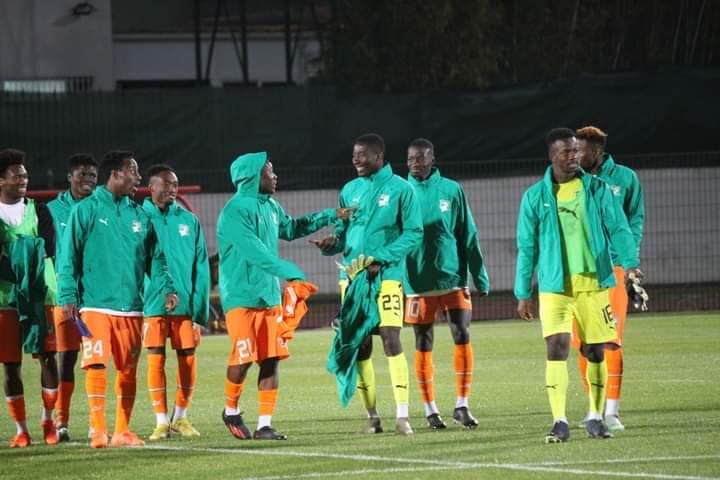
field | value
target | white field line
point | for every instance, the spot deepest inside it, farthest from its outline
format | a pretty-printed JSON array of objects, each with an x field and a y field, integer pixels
[{"x": 627, "y": 460}]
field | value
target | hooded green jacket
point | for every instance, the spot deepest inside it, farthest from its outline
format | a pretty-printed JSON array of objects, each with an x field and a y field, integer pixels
[
  {"x": 60, "y": 210},
  {"x": 108, "y": 248},
  {"x": 625, "y": 187},
  {"x": 181, "y": 239},
  {"x": 387, "y": 224},
  {"x": 539, "y": 240},
  {"x": 450, "y": 243},
  {"x": 248, "y": 230}
]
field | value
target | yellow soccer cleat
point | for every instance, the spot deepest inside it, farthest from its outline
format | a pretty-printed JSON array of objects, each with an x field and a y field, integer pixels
[
  {"x": 161, "y": 432},
  {"x": 184, "y": 428}
]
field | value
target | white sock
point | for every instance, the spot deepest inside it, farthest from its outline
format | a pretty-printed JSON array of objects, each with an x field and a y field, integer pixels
[
  {"x": 232, "y": 411},
  {"x": 372, "y": 413},
  {"x": 21, "y": 427},
  {"x": 461, "y": 402},
  {"x": 612, "y": 407},
  {"x": 430, "y": 408},
  {"x": 402, "y": 410},
  {"x": 264, "y": 421},
  {"x": 45, "y": 415},
  {"x": 594, "y": 416},
  {"x": 561, "y": 419},
  {"x": 180, "y": 413},
  {"x": 161, "y": 418}
]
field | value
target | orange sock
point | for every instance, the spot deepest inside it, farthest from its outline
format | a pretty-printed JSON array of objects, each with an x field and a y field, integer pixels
[
  {"x": 16, "y": 407},
  {"x": 49, "y": 398},
  {"x": 266, "y": 401},
  {"x": 582, "y": 368},
  {"x": 463, "y": 359},
  {"x": 125, "y": 388},
  {"x": 614, "y": 360},
  {"x": 232, "y": 394},
  {"x": 156, "y": 382},
  {"x": 424, "y": 372},
  {"x": 62, "y": 406},
  {"x": 186, "y": 377},
  {"x": 95, "y": 382}
]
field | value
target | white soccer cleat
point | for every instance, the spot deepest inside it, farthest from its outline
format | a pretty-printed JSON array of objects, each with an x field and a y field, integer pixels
[{"x": 613, "y": 423}]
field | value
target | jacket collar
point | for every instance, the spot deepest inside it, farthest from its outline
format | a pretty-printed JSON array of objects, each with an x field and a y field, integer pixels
[
  {"x": 105, "y": 195},
  {"x": 607, "y": 165},
  {"x": 381, "y": 175},
  {"x": 154, "y": 210},
  {"x": 430, "y": 181},
  {"x": 548, "y": 178}
]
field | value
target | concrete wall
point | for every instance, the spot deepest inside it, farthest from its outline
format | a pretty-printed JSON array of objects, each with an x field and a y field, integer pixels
[
  {"x": 681, "y": 232},
  {"x": 41, "y": 39}
]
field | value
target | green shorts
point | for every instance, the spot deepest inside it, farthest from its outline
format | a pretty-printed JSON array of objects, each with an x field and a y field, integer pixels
[{"x": 591, "y": 311}]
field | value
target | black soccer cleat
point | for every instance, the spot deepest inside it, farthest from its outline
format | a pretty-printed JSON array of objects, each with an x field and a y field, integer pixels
[
  {"x": 237, "y": 427},
  {"x": 559, "y": 433},
  {"x": 63, "y": 434},
  {"x": 268, "y": 433},
  {"x": 463, "y": 417},
  {"x": 436, "y": 422},
  {"x": 597, "y": 429}
]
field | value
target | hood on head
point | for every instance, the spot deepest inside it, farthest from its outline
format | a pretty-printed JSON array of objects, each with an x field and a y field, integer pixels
[{"x": 245, "y": 172}]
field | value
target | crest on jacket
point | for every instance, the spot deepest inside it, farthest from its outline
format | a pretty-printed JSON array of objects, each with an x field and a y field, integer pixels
[
  {"x": 384, "y": 200},
  {"x": 183, "y": 230},
  {"x": 444, "y": 206},
  {"x": 136, "y": 226}
]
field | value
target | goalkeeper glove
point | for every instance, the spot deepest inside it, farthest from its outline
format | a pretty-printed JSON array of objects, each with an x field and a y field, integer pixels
[
  {"x": 636, "y": 293},
  {"x": 356, "y": 266}
]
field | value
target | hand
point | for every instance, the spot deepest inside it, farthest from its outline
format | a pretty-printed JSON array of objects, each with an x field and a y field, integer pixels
[
  {"x": 197, "y": 333},
  {"x": 373, "y": 269},
  {"x": 171, "y": 301},
  {"x": 637, "y": 295},
  {"x": 525, "y": 310},
  {"x": 325, "y": 243},
  {"x": 634, "y": 274},
  {"x": 70, "y": 312},
  {"x": 345, "y": 213},
  {"x": 358, "y": 265}
]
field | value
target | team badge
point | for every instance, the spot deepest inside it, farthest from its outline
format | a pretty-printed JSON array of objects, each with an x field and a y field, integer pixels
[
  {"x": 183, "y": 230},
  {"x": 444, "y": 206},
  {"x": 136, "y": 226},
  {"x": 384, "y": 200},
  {"x": 615, "y": 189}
]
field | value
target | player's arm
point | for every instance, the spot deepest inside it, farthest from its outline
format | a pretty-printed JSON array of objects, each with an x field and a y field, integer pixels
[
  {"x": 616, "y": 225},
  {"x": 635, "y": 210},
  {"x": 157, "y": 269},
  {"x": 291, "y": 228},
  {"x": 200, "y": 297},
  {"x": 466, "y": 233},
  {"x": 335, "y": 243},
  {"x": 527, "y": 247},
  {"x": 69, "y": 262},
  {"x": 412, "y": 231},
  {"x": 46, "y": 228}
]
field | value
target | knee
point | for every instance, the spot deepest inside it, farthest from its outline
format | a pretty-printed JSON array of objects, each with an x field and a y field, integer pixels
[
  {"x": 460, "y": 334},
  {"x": 424, "y": 338},
  {"x": 595, "y": 353},
  {"x": 391, "y": 341},
  {"x": 186, "y": 352}
]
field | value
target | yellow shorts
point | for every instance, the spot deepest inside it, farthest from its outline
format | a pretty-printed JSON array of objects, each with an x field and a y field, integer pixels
[
  {"x": 591, "y": 311},
  {"x": 390, "y": 302}
]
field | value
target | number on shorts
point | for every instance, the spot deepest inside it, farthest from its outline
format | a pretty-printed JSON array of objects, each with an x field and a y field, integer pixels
[
  {"x": 414, "y": 309},
  {"x": 91, "y": 348},
  {"x": 391, "y": 302},
  {"x": 244, "y": 348},
  {"x": 608, "y": 316}
]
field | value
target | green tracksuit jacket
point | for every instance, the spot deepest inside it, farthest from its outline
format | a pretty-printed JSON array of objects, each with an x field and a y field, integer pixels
[
  {"x": 450, "y": 243},
  {"x": 107, "y": 249},
  {"x": 248, "y": 230},
  {"x": 387, "y": 224},
  {"x": 539, "y": 239},
  {"x": 60, "y": 211},
  {"x": 181, "y": 239},
  {"x": 625, "y": 187}
]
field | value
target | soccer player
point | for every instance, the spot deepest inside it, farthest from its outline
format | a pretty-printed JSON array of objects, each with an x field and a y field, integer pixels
[
  {"x": 565, "y": 226},
  {"x": 20, "y": 215},
  {"x": 108, "y": 248},
  {"x": 387, "y": 227},
  {"x": 626, "y": 189},
  {"x": 183, "y": 242},
  {"x": 248, "y": 229},
  {"x": 437, "y": 279},
  {"x": 82, "y": 175}
]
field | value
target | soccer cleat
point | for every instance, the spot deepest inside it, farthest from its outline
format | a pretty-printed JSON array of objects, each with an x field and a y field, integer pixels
[
  {"x": 268, "y": 433},
  {"x": 402, "y": 426},
  {"x": 436, "y": 422},
  {"x": 99, "y": 440},
  {"x": 597, "y": 429},
  {"x": 21, "y": 440},
  {"x": 184, "y": 428},
  {"x": 614, "y": 424},
  {"x": 237, "y": 427},
  {"x": 49, "y": 432},
  {"x": 63, "y": 434},
  {"x": 161, "y": 432},
  {"x": 584, "y": 421},
  {"x": 559, "y": 433},
  {"x": 463, "y": 417},
  {"x": 373, "y": 426},
  {"x": 126, "y": 439}
]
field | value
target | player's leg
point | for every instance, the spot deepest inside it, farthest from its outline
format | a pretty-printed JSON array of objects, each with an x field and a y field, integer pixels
[
  {"x": 581, "y": 360},
  {"x": 126, "y": 347},
  {"x": 49, "y": 379},
  {"x": 614, "y": 353},
  {"x": 155, "y": 331},
  {"x": 458, "y": 309},
  {"x": 243, "y": 353},
  {"x": 182, "y": 338},
  {"x": 95, "y": 357},
  {"x": 11, "y": 358},
  {"x": 68, "y": 346},
  {"x": 367, "y": 386}
]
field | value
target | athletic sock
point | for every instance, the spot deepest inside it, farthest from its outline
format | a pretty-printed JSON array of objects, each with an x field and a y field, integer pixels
[
  {"x": 366, "y": 384},
  {"x": 597, "y": 379},
  {"x": 62, "y": 406},
  {"x": 125, "y": 389},
  {"x": 556, "y": 383},
  {"x": 464, "y": 363},
  {"x": 95, "y": 384},
  {"x": 186, "y": 377},
  {"x": 16, "y": 408},
  {"x": 233, "y": 391},
  {"x": 49, "y": 398},
  {"x": 582, "y": 369},
  {"x": 424, "y": 372},
  {"x": 614, "y": 359},
  {"x": 157, "y": 385},
  {"x": 267, "y": 399},
  {"x": 400, "y": 379}
]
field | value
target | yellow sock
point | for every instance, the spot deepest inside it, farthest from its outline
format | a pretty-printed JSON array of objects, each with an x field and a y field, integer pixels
[
  {"x": 556, "y": 383},
  {"x": 399, "y": 377},
  {"x": 366, "y": 383},
  {"x": 597, "y": 375}
]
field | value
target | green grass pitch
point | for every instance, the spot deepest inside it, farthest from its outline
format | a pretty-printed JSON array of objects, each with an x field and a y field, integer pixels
[{"x": 670, "y": 406}]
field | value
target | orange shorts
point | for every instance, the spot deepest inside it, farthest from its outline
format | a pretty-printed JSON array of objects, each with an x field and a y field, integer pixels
[
  {"x": 67, "y": 336},
  {"x": 113, "y": 335},
  {"x": 255, "y": 335},
  {"x": 10, "y": 343},
  {"x": 423, "y": 310},
  {"x": 618, "y": 305},
  {"x": 179, "y": 328}
]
